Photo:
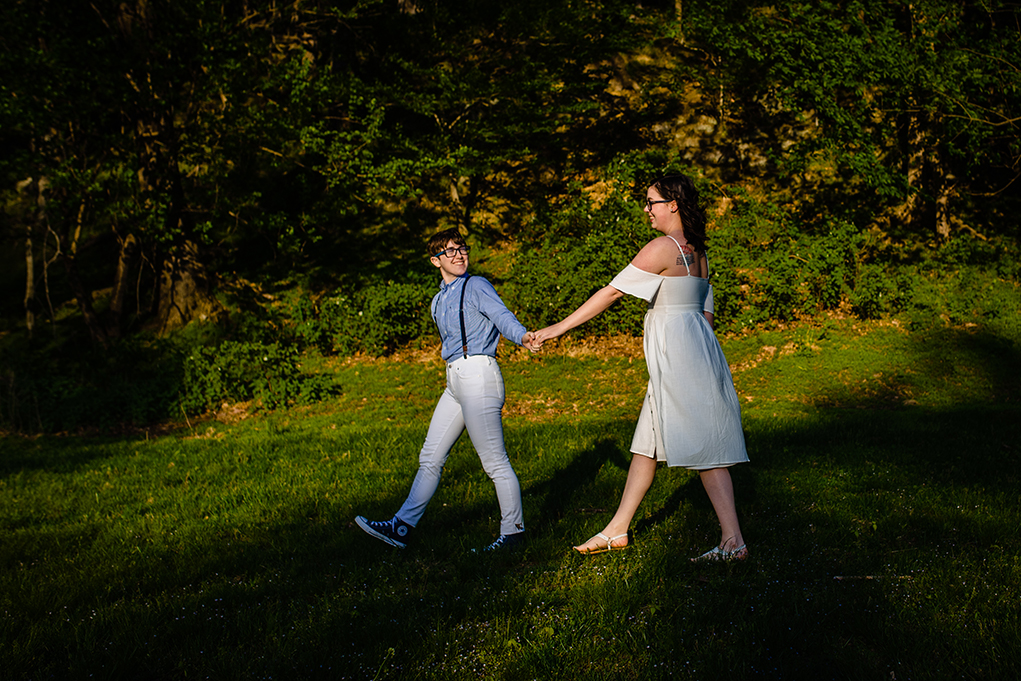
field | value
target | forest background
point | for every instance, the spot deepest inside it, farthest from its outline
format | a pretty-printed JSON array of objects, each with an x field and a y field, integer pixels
[{"x": 200, "y": 198}]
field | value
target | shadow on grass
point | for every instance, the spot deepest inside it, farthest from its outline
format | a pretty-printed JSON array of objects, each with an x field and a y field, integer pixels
[
  {"x": 564, "y": 484},
  {"x": 903, "y": 505},
  {"x": 970, "y": 366},
  {"x": 59, "y": 455},
  {"x": 979, "y": 354},
  {"x": 966, "y": 445}
]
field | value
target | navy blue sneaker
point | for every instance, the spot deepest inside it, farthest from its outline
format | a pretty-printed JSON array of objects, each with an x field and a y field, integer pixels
[
  {"x": 394, "y": 532},
  {"x": 506, "y": 543}
]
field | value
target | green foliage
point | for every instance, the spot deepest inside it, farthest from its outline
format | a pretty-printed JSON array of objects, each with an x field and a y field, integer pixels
[
  {"x": 767, "y": 265},
  {"x": 238, "y": 371},
  {"x": 873, "y": 292},
  {"x": 281, "y": 137},
  {"x": 132, "y": 385},
  {"x": 433, "y": 116},
  {"x": 142, "y": 381},
  {"x": 553, "y": 279},
  {"x": 880, "y": 89},
  {"x": 585, "y": 241},
  {"x": 374, "y": 319}
]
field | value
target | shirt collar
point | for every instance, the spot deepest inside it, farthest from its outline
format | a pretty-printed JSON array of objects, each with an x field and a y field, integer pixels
[{"x": 444, "y": 285}]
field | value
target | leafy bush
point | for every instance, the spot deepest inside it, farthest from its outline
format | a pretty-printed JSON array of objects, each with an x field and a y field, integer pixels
[
  {"x": 309, "y": 326},
  {"x": 79, "y": 387},
  {"x": 238, "y": 371},
  {"x": 584, "y": 243},
  {"x": 550, "y": 281},
  {"x": 386, "y": 316},
  {"x": 765, "y": 263},
  {"x": 769, "y": 265},
  {"x": 874, "y": 292},
  {"x": 375, "y": 319},
  {"x": 144, "y": 380}
]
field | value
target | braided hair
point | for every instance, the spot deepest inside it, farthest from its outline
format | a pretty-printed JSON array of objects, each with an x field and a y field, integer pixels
[{"x": 681, "y": 189}]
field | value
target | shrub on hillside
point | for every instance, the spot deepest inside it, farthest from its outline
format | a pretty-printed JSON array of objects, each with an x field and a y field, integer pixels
[
  {"x": 375, "y": 319},
  {"x": 237, "y": 371},
  {"x": 78, "y": 387},
  {"x": 765, "y": 264}
]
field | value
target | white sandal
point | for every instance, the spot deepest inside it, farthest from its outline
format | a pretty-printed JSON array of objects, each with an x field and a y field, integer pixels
[
  {"x": 609, "y": 544},
  {"x": 716, "y": 553}
]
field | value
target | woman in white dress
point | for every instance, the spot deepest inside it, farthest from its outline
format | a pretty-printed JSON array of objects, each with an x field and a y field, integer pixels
[{"x": 691, "y": 416}]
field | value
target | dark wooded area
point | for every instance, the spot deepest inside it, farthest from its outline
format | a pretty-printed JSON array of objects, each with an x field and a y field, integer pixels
[{"x": 167, "y": 162}]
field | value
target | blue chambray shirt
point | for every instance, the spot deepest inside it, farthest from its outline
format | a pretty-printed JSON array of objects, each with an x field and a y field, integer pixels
[{"x": 485, "y": 318}]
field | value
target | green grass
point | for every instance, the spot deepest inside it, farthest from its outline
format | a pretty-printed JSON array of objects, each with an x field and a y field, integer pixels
[{"x": 881, "y": 508}]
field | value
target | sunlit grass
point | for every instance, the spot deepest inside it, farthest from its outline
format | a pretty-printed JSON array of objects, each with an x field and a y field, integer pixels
[{"x": 881, "y": 507}]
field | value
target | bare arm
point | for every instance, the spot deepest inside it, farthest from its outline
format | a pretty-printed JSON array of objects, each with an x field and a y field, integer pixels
[{"x": 600, "y": 301}]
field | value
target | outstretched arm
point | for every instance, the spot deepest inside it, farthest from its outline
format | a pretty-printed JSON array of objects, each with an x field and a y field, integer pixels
[{"x": 600, "y": 301}]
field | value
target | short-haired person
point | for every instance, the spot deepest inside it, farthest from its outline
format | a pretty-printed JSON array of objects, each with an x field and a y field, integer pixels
[{"x": 470, "y": 317}]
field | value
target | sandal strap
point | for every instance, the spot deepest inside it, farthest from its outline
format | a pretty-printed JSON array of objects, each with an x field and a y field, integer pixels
[{"x": 609, "y": 541}]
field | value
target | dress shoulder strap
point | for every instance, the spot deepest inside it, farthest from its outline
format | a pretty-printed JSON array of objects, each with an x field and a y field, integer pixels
[{"x": 681, "y": 250}]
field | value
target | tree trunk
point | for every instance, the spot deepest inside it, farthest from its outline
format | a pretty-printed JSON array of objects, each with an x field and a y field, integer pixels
[
  {"x": 464, "y": 191},
  {"x": 129, "y": 249},
  {"x": 930, "y": 184},
  {"x": 678, "y": 7},
  {"x": 914, "y": 170},
  {"x": 24, "y": 188},
  {"x": 185, "y": 291},
  {"x": 945, "y": 183},
  {"x": 29, "y": 282},
  {"x": 84, "y": 298}
]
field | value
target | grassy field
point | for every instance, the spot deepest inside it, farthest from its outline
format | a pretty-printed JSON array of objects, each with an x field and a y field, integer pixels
[{"x": 881, "y": 510}]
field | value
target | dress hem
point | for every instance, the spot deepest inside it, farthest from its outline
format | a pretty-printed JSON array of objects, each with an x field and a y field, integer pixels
[{"x": 690, "y": 468}]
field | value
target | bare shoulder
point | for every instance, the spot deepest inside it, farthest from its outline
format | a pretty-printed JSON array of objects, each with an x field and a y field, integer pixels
[{"x": 656, "y": 256}]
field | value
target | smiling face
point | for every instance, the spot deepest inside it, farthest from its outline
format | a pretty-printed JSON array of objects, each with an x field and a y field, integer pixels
[
  {"x": 662, "y": 213},
  {"x": 451, "y": 267}
]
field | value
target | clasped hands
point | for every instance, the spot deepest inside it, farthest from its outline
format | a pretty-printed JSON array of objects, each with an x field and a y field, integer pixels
[{"x": 533, "y": 340}]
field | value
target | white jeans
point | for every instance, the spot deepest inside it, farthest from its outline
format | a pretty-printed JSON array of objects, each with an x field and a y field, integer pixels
[{"x": 472, "y": 400}]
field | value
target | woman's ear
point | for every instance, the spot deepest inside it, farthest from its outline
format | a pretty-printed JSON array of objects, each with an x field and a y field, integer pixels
[{"x": 435, "y": 261}]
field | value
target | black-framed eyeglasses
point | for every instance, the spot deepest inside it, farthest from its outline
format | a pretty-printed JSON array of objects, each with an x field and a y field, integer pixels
[
  {"x": 451, "y": 252},
  {"x": 649, "y": 203}
]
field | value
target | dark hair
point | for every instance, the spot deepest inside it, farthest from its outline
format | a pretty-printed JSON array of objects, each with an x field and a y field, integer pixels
[
  {"x": 681, "y": 189},
  {"x": 439, "y": 240}
]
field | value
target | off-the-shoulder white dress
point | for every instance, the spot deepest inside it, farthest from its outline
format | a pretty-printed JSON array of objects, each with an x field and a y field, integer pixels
[{"x": 691, "y": 416}]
